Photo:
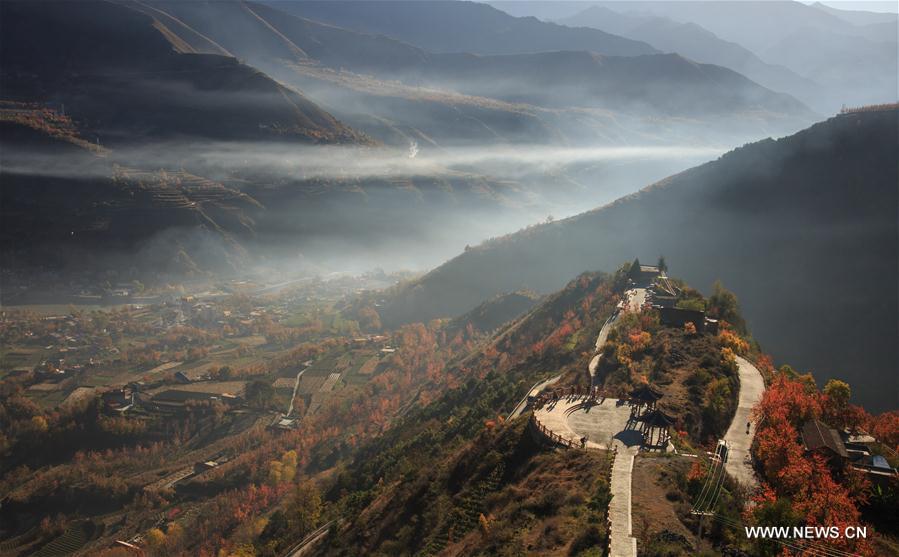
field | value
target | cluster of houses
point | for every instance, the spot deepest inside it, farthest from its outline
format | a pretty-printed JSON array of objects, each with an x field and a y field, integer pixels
[
  {"x": 840, "y": 448},
  {"x": 844, "y": 450},
  {"x": 208, "y": 313}
]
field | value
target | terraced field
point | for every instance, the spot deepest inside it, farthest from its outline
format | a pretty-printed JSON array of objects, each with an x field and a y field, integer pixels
[{"x": 73, "y": 539}]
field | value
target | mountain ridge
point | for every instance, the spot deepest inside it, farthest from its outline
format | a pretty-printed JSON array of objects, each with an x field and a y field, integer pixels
[
  {"x": 445, "y": 26},
  {"x": 684, "y": 87},
  {"x": 126, "y": 77},
  {"x": 714, "y": 213},
  {"x": 697, "y": 43}
]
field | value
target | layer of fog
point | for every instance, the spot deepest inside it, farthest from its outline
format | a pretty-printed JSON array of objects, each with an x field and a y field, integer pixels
[
  {"x": 291, "y": 165},
  {"x": 330, "y": 208}
]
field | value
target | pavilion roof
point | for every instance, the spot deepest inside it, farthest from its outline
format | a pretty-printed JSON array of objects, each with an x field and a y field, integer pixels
[
  {"x": 646, "y": 393},
  {"x": 656, "y": 418}
]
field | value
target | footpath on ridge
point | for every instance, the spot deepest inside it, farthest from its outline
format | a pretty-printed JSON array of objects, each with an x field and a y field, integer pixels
[{"x": 591, "y": 422}]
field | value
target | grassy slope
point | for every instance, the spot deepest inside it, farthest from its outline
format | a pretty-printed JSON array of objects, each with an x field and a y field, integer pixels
[{"x": 444, "y": 464}]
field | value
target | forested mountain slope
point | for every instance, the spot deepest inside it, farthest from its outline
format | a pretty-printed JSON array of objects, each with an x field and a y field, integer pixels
[
  {"x": 802, "y": 228},
  {"x": 128, "y": 76},
  {"x": 286, "y": 41},
  {"x": 449, "y": 26}
]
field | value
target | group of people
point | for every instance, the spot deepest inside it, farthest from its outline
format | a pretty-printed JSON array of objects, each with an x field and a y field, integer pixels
[{"x": 592, "y": 394}]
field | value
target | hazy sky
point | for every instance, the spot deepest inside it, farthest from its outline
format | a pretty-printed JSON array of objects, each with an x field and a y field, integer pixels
[{"x": 866, "y": 5}]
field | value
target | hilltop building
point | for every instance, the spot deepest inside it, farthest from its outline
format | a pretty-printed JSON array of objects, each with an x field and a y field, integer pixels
[{"x": 643, "y": 275}]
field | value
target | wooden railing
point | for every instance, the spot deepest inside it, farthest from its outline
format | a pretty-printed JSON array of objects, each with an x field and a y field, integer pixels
[{"x": 551, "y": 437}]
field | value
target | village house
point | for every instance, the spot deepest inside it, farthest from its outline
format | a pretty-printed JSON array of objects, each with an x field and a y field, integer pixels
[
  {"x": 117, "y": 401},
  {"x": 818, "y": 437},
  {"x": 201, "y": 467},
  {"x": 842, "y": 449},
  {"x": 174, "y": 400}
]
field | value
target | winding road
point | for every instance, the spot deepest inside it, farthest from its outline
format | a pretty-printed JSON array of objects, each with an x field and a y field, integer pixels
[
  {"x": 738, "y": 439},
  {"x": 599, "y": 424}
]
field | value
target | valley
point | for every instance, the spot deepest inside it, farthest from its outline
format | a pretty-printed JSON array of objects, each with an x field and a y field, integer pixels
[{"x": 391, "y": 278}]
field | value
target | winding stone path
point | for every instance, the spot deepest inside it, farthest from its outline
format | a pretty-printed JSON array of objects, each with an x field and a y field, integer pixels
[
  {"x": 752, "y": 386},
  {"x": 622, "y": 543},
  {"x": 634, "y": 300},
  {"x": 605, "y": 426},
  {"x": 535, "y": 390}
]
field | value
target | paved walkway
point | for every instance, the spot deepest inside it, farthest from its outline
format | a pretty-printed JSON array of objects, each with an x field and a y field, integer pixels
[
  {"x": 752, "y": 386},
  {"x": 622, "y": 543},
  {"x": 535, "y": 390},
  {"x": 633, "y": 301},
  {"x": 604, "y": 424},
  {"x": 600, "y": 423}
]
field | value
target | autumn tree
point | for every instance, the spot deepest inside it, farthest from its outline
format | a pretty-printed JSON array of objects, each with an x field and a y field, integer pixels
[
  {"x": 259, "y": 394},
  {"x": 722, "y": 304},
  {"x": 885, "y": 428},
  {"x": 155, "y": 539},
  {"x": 799, "y": 486},
  {"x": 835, "y": 407},
  {"x": 305, "y": 508},
  {"x": 369, "y": 319}
]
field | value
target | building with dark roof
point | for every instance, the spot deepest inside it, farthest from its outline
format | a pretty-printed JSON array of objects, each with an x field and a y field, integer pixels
[
  {"x": 818, "y": 437},
  {"x": 678, "y": 317},
  {"x": 645, "y": 394},
  {"x": 655, "y": 428},
  {"x": 656, "y": 418},
  {"x": 174, "y": 400},
  {"x": 117, "y": 401},
  {"x": 643, "y": 274}
]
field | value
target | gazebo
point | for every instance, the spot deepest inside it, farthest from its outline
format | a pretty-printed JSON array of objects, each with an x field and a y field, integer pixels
[
  {"x": 655, "y": 426},
  {"x": 645, "y": 395}
]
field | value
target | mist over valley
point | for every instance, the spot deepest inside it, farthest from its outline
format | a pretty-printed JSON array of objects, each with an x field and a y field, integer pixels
[{"x": 439, "y": 277}]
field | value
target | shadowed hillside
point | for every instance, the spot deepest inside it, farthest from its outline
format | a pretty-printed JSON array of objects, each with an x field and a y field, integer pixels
[
  {"x": 570, "y": 74},
  {"x": 128, "y": 76},
  {"x": 803, "y": 229},
  {"x": 445, "y": 26}
]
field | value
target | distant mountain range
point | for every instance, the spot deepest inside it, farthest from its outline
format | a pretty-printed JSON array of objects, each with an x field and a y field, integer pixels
[
  {"x": 451, "y": 26},
  {"x": 803, "y": 229},
  {"x": 858, "y": 17},
  {"x": 572, "y": 74},
  {"x": 851, "y": 55},
  {"x": 755, "y": 24},
  {"x": 187, "y": 137},
  {"x": 136, "y": 71},
  {"x": 696, "y": 43}
]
